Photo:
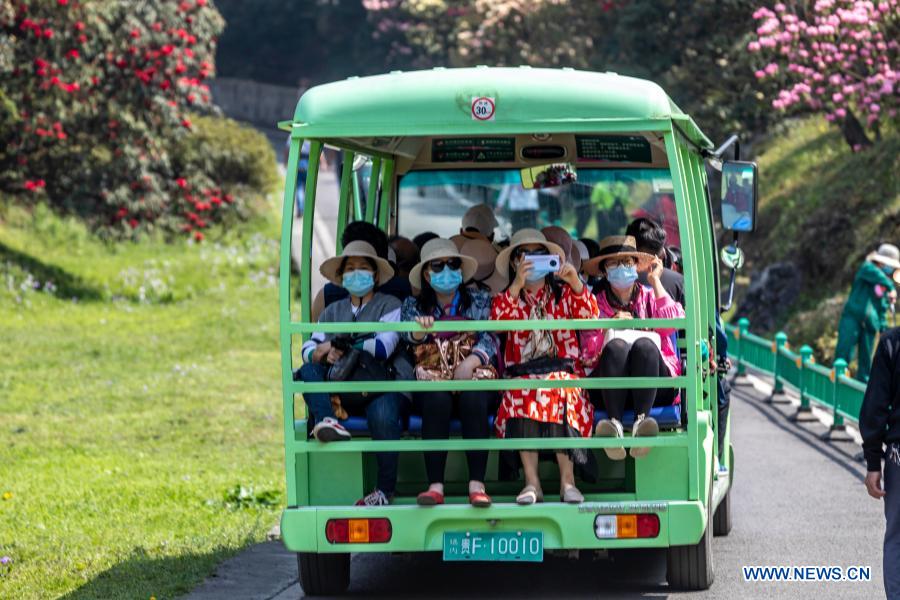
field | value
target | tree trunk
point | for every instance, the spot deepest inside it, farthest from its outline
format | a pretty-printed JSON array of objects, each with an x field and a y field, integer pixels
[{"x": 853, "y": 131}]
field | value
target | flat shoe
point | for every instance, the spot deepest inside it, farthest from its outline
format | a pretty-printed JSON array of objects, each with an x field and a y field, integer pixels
[
  {"x": 479, "y": 499},
  {"x": 647, "y": 427},
  {"x": 572, "y": 496},
  {"x": 607, "y": 428},
  {"x": 430, "y": 498},
  {"x": 529, "y": 495}
]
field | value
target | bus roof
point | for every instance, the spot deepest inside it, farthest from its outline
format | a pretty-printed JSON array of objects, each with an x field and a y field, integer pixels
[{"x": 519, "y": 100}]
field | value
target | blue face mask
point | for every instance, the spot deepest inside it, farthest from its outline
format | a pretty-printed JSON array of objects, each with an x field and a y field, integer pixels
[
  {"x": 537, "y": 274},
  {"x": 447, "y": 280},
  {"x": 887, "y": 270},
  {"x": 359, "y": 282},
  {"x": 622, "y": 277}
]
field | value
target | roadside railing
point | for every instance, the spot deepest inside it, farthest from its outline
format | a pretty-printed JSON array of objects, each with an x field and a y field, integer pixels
[{"x": 828, "y": 388}]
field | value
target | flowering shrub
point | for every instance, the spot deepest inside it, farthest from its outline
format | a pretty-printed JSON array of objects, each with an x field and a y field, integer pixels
[
  {"x": 99, "y": 95},
  {"x": 840, "y": 58}
]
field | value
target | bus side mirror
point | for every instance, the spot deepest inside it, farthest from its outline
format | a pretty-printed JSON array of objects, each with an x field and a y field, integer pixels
[{"x": 739, "y": 194}]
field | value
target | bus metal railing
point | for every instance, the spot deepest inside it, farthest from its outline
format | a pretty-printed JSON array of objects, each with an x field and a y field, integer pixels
[{"x": 826, "y": 387}]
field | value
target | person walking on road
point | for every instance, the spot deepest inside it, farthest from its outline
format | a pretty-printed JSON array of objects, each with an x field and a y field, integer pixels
[
  {"x": 879, "y": 425},
  {"x": 865, "y": 312}
]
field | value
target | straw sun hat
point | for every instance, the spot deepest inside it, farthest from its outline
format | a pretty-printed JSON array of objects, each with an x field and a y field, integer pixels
[
  {"x": 486, "y": 255},
  {"x": 617, "y": 246},
  {"x": 525, "y": 237},
  {"x": 441, "y": 248},
  {"x": 887, "y": 254},
  {"x": 330, "y": 267}
]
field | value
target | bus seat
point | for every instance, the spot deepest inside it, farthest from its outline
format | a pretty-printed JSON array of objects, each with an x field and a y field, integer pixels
[
  {"x": 668, "y": 417},
  {"x": 415, "y": 425}
]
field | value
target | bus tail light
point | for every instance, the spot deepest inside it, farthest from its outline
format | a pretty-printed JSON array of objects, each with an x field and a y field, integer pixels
[
  {"x": 358, "y": 531},
  {"x": 626, "y": 526}
]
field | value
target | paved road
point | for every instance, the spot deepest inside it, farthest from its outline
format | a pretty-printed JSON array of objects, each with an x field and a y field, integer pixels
[{"x": 797, "y": 501}]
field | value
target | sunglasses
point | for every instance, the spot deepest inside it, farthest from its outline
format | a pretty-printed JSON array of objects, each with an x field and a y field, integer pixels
[{"x": 437, "y": 266}]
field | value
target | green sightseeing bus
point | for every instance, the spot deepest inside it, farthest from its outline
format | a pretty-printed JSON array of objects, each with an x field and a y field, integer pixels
[{"x": 418, "y": 149}]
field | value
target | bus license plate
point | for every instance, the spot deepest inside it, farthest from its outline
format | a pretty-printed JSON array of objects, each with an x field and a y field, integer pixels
[{"x": 524, "y": 546}]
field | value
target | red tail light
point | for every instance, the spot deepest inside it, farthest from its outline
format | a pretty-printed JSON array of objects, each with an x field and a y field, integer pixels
[
  {"x": 647, "y": 526},
  {"x": 358, "y": 531}
]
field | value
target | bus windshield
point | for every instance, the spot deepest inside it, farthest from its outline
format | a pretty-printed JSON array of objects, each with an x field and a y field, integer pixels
[{"x": 602, "y": 202}]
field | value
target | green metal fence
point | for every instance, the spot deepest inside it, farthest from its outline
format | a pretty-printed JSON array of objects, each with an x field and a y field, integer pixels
[{"x": 827, "y": 387}]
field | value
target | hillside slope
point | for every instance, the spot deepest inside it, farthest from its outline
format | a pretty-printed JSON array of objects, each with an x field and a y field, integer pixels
[{"x": 823, "y": 208}]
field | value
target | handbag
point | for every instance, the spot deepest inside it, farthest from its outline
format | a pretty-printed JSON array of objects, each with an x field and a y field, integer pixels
[
  {"x": 358, "y": 365},
  {"x": 540, "y": 366},
  {"x": 437, "y": 360},
  {"x": 540, "y": 343}
]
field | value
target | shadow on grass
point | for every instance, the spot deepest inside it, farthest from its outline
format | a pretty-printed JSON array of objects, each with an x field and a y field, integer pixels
[
  {"x": 68, "y": 286},
  {"x": 143, "y": 576}
]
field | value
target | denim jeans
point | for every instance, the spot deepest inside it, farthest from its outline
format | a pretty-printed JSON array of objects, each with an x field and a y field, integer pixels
[
  {"x": 892, "y": 518},
  {"x": 382, "y": 415}
]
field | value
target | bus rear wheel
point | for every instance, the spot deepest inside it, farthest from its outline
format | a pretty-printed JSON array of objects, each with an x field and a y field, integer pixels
[
  {"x": 722, "y": 516},
  {"x": 691, "y": 567},
  {"x": 323, "y": 574}
]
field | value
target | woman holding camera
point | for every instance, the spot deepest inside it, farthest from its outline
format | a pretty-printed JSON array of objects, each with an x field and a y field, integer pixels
[
  {"x": 358, "y": 270},
  {"x": 631, "y": 352},
  {"x": 440, "y": 276},
  {"x": 543, "y": 286}
]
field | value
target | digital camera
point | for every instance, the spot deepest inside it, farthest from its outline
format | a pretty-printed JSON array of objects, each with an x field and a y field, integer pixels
[{"x": 544, "y": 262}]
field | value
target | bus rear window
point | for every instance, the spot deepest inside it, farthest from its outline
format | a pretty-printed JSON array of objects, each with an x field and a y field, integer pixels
[{"x": 601, "y": 203}]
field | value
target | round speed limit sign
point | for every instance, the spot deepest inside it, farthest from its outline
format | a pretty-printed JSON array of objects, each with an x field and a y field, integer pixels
[{"x": 483, "y": 108}]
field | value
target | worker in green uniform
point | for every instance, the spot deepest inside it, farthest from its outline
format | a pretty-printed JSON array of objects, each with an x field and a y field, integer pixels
[{"x": 865, "y": 313}]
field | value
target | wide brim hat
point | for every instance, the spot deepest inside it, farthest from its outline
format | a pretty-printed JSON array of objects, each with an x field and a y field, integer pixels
[
  {"x": 461, "y": 238},
  {"x": 485, "y": 254},
  {"x": 441, "y": 248},
  {"x": 887, "y": 254},
  {"x": 617, "y": 246},
  {"x": 330, "y": 267},
  {"x": 524, "y": 237}
]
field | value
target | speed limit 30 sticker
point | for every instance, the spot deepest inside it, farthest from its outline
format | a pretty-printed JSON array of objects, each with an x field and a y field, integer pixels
[{"x": 483, "y": 108}]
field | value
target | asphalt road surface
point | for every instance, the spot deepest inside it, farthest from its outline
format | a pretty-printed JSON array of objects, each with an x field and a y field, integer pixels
[{"x": 797, "y": 501}]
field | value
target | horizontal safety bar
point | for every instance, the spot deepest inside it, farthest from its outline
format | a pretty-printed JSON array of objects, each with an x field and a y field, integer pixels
[
  {"x": 455, "y": 385},
  {"x": 670, "y": 440},
  {"x": 527, "y": 325}
]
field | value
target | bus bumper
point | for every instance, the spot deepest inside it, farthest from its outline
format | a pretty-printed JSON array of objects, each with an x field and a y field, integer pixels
[{"x": 565, "y": 526}]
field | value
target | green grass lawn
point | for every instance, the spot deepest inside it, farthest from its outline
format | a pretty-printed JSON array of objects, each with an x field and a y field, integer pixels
[{"x": 139, "y": 391}]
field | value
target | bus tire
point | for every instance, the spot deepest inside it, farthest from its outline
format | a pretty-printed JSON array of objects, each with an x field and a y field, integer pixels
[
  {"x": 691, "y": 567},
  {"x": 722, "y": 516},
  {"x": 323, "y": 574}
]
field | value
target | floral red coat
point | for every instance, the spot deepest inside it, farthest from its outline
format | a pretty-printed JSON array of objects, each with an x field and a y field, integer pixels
[{"x": 546, "y": 405}]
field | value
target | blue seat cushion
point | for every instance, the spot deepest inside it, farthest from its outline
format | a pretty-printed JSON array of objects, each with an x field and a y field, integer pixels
[
  {"x": 668, "y": 417},
  {"x": 415, "y": 425}
]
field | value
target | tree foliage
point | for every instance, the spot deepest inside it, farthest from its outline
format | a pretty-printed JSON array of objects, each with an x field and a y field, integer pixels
[
  {"x": 837, "y": 57},
  {"x": 693, "y": 49},
  {"x": 100, "y": 95}
]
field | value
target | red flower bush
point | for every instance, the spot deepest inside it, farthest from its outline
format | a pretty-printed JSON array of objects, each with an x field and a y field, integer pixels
[{"x": 94, "y": 104}]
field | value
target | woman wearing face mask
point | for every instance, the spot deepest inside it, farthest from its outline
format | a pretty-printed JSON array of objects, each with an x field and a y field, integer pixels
[
  {"x": 440, "y": 276},
  {"x": 633, "y": 353},
  {"x": 540, "y": 291},
  {"x": 358, "y": 270}
]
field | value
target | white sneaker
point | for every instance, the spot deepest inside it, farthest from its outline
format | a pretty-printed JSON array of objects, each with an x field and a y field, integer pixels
[
  {"x": 376, "y": 498},
  {"x": 329, "y": 430},
  {"x": 644, "y": 426},
  {"x": 611, "y": 428}
]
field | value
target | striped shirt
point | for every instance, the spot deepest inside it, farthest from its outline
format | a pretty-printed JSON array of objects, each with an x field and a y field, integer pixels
[{"x": 381, "y": 308}]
